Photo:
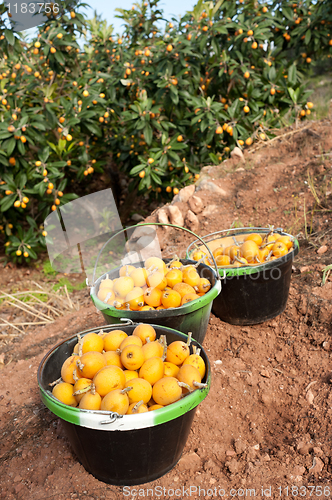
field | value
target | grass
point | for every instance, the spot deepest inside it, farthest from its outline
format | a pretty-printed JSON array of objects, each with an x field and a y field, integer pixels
[
  {"x": 249, "y": 165},
  {"x": 304, "y": 218},
  {"x": 36, "y": 309},
  {"x": 64, "y": 282},
  {"x": 326, "y": 273},
  {"x": 41, "y": 305},
  {"x": 48, "y": 269},
  {"x": 236, "y": 224}
]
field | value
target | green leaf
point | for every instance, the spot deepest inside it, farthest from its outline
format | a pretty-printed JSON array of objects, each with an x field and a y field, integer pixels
[
  {"x": 20, "y": 147},
  {"x": 43, "y": 155},
  {"x": 178, "y": 146},
  {"x": 21, "y": 180},
  {"x": 173, "y": 155},
  {"x": 239, "y": 55},
  {"x": 57, "y": 164},
  {"x": 86, "y": 114},
  {"x": 196, "y": 118},
  {"x": 9, "y": 181},
  {"x": 53, "y": 146},
  {"x": 210, "y": 136},
  {"x": 59, "y": 57},
  {"x": 4, "y": 161},
  {"x": 214, "y": 158},
  {"x": 215, "y": 46},
  {"x": 5, "y": 135},
  {"x": 10, "y": 146},
  {"x": 173, "y": 90},
  {"x": 94, "y": 129},
  {"x": 202, "y": 44},
  {"x": 204, "y": 125},
  {"x": 39, "y": 126},
  {"x": 10, "y": 37},
  {"x": 221, "y": 29},
  {"x": 287, "y": 12},
  {"x": 272, "y": 74},
  {"x": 24, "y": 120},
  {"x": 32, "y": 222},
  {"x": 69, "y": 197},
  {"x": 164, "y": 138},
  {"x": 155, "y": 177},
  {"x": 175, "y": 98},
  {"x": 233, "y": 108},
  {"x": 144, "y": 183},
  {"x": 7, "y": 202},
  {"x": 163, "y": 162},
  {"x": 148, "y": 134},
  {"x": 185, "y": 94},
  {"x": 292, "y": 75},
  {"x": 32, "y": 253},
  {"x": 42, "y": 188},
  {"x": 137, "y": 169},
  {"x": 241, "y": 130},
  {"x": 20, "y": 232},
  {"x": 307, "y": 37}
]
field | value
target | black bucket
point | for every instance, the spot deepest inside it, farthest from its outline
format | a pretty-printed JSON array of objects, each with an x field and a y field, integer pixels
[
  {"x": 123, "y": 449},
  {"x": 252, "y": 294},
  {"x": 191, "y": 317}
]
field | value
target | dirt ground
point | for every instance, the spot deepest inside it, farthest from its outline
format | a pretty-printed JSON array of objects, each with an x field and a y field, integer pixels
[{"x": 265, "y": 428}]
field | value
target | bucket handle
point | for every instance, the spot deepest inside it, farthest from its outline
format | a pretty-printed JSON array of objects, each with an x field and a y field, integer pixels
[
  {"x": 113, "y": 417},
  {"x": 125, "y": 322},
  {"x": 155, "y": 224},
  {"x": 226, "y": 232}
]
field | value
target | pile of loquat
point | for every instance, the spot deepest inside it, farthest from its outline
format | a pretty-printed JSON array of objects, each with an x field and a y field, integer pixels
[
  {"x": 129, "y": 374},
  {"x": 246, "y": 250},
  {"x": 157, "y": 285}
]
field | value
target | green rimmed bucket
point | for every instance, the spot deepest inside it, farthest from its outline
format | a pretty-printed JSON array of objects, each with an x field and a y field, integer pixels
[
  {"x": 192, "y": 317},
  {"x": 252, "y": 294},
  {"x": 123, "y": 449}
]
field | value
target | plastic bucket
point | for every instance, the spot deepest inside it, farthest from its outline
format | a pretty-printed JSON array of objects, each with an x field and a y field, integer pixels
[
  {"x": 123, "y": 449},
  {"x": 192, "y": 317},
  {"x": 252, "y": 294}
]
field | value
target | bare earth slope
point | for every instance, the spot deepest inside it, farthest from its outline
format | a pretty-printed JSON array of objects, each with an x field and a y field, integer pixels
[{"x": 267, "y": 419}]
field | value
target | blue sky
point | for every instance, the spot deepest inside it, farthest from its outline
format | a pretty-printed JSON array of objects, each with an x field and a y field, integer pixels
[{"x": 107, "y": 8}]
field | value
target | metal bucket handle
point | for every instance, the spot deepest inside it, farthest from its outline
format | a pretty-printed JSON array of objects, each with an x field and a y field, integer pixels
[
  {"x": 227, "y": 232},
  {"x": 125, "y": 322},
  {"x": 218, "y": 277}
]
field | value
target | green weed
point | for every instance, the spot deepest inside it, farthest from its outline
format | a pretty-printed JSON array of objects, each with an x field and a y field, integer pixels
[
  {"x": 70, "y": 287},
  {"x": 48, "y": 269}
]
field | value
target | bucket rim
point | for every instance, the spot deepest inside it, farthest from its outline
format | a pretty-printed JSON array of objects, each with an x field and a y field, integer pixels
[
  {"x": 225, "y": 271},
  {"x": 110, "y": 421},
  {"x": 187, "y": 308}
]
